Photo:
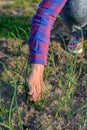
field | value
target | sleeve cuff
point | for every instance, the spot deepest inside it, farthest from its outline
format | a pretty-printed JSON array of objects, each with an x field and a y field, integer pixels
[{"x": 38, "y": 59}]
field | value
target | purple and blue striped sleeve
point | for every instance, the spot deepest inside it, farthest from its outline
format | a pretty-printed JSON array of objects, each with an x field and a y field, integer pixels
[{"x": 42, "y": 23}]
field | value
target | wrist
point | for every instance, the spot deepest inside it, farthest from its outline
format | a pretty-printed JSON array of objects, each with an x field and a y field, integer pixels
[{"x": 37, "y": 67}]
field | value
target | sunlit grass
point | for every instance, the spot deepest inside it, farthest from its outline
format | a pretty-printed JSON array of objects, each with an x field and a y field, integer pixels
[
  {"x": 18, "y": 28},
  {"x": 13, "y": 25}
]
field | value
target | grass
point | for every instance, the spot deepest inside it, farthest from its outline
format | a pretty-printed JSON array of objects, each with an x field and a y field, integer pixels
[
  {"x": 11, "y": 26},
  {"x": 17, "y": 28}
]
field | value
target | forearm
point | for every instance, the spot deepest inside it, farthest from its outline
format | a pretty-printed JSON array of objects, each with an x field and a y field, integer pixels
[{"x": 40, "y": 31}]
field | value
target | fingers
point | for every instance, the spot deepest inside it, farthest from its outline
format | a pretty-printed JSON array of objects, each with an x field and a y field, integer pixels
[
  {"x": 31, "y": 98},
  {"x": 38, "y": 89},
  {"x": 35, "y": 84},
  {"x": 31, "y": 92},
  {"x": 35, "y": 93}
]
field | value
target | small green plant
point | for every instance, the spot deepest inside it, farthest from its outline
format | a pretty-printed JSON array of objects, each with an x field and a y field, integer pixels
[
  {"x": 85, "y": 118},
  {"x": 3, "y": 111}
]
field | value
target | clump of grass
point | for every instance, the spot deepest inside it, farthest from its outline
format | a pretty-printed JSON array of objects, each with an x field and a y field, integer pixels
[
  {"x": 14, "y": 83},
  {"x": 3, "y": 112},
  {"x": 9, "y": 25},
  {"x": 85, "y": 118}
]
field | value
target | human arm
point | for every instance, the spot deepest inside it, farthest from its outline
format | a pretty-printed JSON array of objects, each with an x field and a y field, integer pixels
[{"x": 42, "y": 23}]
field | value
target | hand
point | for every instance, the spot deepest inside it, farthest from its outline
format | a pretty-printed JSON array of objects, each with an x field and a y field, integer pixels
[{"x": 35, "y": 82}]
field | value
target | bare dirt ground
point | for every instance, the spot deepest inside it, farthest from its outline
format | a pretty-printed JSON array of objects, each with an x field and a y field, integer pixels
[
  {"x": 33, "y": 118},
  {"x": 2, "y": 3}
]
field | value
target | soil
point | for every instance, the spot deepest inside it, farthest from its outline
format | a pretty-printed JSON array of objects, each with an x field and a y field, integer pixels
[
  {"x": 33, "y": 117},
  {"x": 2, "y": 3}
]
